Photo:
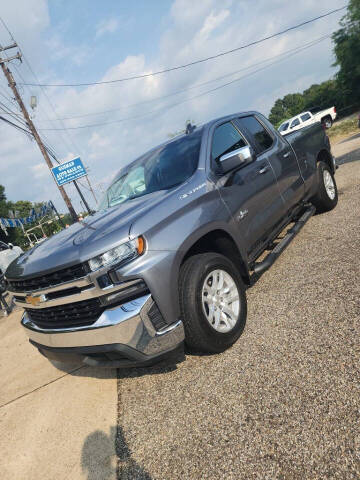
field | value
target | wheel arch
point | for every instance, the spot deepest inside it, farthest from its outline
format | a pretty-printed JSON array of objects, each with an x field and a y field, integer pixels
[
  {"x": 219, "y": 241},
  {"x": 325, "y": 117},
  {"x": 325, "y": 156}
]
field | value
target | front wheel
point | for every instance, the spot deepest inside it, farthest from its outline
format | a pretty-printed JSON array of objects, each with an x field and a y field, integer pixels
[
  {"x": 326, "y": 197},
  {"x": 213, "y": 302}
]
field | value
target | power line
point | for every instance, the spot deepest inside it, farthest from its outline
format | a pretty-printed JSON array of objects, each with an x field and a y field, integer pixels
[
  {"x": 12, "y": 84},
  {"x": 196, "y": 85},
  {"x": 48, "y": 149},
  {"x": 65, "y": 129},
  {"x": 167, "y": 107},
  {"x": 15, "y": 116},
  {"x": 195, "y": 62},
  {"x": 32, "y": 72},
  {"x": 46, "y": 97},
  {"x": 37, "y": 80},
  {"x": 7, "y": 98},
  {"x": 31, "y": 132},
  {"x": 16, "y": 126}
]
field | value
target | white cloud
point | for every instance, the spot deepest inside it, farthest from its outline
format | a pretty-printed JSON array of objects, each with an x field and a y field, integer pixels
[
  {"x": 109, "y": 25},
  {"x": 211, "y": 22},
  {"x": 195, "y": 30},
  {"x": 40, "y": 170},
  {"x": 77, "y": 55}
]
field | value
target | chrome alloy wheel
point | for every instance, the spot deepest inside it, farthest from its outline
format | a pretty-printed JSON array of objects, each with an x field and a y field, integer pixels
[
  {"x": 220, "y": 301},
  {"x": 329, "y": 184}
]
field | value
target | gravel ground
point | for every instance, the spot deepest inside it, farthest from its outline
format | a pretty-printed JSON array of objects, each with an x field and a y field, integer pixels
[{"x": 283, "y": 403}]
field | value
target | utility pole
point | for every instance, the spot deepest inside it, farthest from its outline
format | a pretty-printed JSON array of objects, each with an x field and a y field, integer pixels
[
  {"x": 82, "y": 197},
  {"x": 30, "y": 124},
  {"x": 91, "y": 189}
]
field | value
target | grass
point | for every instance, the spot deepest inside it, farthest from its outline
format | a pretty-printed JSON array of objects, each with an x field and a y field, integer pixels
[{"x": 343, "y": 128}]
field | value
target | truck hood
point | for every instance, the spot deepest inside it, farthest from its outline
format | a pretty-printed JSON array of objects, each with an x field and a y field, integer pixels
[{"x": 83, "y": 240}]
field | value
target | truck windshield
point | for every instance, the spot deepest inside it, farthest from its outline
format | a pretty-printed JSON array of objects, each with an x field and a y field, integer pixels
[{"x": 160, "y": 169}]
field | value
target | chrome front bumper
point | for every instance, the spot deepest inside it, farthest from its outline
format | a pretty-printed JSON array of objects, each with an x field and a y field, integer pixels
[{"x": 125, "y": 329}]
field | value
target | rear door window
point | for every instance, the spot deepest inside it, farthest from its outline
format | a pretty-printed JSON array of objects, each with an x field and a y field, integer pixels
[
  {"x": 295, "y": 123},
  {"x": 226, "y": 139},
  {"x": 258, "y": 132},
  {"x": 305, "y": 117}
]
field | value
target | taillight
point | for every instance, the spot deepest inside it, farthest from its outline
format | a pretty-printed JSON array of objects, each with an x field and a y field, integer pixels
[{"x": 334, "y": 109}]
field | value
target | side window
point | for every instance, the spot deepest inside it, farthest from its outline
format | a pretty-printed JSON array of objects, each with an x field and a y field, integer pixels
[
  {"x": 284, "y": 127},
  {"x": 295, "y": 123},
  {"x": 258, "y": 132},
  {"x": 226, "y": 139},
  {"x": 305, "y": 117}
]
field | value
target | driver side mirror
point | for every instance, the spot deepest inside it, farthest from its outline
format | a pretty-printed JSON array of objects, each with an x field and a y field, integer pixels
[
  {"x": 11, "y": 246},
  {"x": 235, "y": 159}
]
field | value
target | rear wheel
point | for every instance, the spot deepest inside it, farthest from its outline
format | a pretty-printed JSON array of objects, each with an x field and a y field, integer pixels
[
  {"x": 327, "y": 196},
  {"x": 327, "y": 122},
  {"x": 213, "y": 302}
]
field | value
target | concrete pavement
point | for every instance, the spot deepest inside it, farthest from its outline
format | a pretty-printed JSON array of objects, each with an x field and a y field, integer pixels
[{"x": 53, "y": 425}]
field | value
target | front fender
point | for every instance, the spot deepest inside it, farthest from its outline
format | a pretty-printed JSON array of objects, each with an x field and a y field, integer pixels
[{"x": 169, "y": 236}]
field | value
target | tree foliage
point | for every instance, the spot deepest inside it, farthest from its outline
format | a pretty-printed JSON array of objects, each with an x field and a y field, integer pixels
[
  {"x": 16, "y": 235},
  {"x": 347, "y": 52},
  {"x": 343, "y": 91}
]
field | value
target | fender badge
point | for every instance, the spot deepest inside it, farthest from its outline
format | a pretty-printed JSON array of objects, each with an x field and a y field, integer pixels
[{"x": 242, "y": 214}]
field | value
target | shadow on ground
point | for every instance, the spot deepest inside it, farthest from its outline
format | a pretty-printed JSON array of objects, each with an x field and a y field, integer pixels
[
  {"x": 357, "y": 135},
  {"x": 99, "y": 463},
  {"x": 352, "y": 156}
]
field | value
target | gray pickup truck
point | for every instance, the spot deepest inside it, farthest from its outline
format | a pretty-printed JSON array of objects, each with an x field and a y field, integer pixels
[{"x": 175, "y": 244}]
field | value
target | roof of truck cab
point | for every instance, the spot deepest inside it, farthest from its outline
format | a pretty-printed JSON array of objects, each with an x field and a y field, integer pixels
[
  {"x": 202, "y": 126},
  {"x": 230, "y": 117},
  {"x": 296, "y": 116}
]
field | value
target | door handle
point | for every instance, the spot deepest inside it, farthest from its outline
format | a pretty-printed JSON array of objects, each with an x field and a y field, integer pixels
[
  {"x": 263, "y": 170},
  {"x": 286, "y": 154}
]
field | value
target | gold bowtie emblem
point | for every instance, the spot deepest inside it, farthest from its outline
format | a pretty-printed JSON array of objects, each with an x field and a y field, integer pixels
[{"x": 34, "y": 301}]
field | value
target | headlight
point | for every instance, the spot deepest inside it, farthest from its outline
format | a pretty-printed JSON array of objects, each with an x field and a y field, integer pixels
[{"x": 125, "y": 251}]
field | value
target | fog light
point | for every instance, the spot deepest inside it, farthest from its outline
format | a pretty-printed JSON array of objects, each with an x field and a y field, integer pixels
[{"x": 126, "y": 294}]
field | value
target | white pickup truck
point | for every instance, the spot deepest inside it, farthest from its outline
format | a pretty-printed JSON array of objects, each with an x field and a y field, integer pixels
[
  {"x": 326, "y": 117},
  {"x": 8, "y": 253}
]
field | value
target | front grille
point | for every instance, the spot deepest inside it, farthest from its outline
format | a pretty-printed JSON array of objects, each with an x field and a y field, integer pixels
[
  {"x": 48, "y": 280},
  {"x": 66, "y": 316}
]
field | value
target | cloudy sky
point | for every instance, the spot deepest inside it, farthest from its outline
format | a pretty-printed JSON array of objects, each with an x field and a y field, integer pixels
[{"x": 90, "y": 41}]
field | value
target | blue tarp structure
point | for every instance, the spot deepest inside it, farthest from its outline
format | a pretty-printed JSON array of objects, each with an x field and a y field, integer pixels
[{"x": 47, "y": 208}]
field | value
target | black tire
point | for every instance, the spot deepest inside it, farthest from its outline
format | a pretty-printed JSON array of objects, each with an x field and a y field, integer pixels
[
  {"x": 200, "y": 336},
  {"x": 327, "y": 122},
  {"x": 322, "y": 201}
]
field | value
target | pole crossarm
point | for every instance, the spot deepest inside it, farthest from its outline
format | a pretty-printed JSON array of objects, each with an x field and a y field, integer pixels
[
  {"x": 8, "y": 59},
  {"x": 13, "y": 45}
]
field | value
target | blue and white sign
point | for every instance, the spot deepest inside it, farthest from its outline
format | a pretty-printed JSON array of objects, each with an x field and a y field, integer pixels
[{"x": 69, "y": 171}]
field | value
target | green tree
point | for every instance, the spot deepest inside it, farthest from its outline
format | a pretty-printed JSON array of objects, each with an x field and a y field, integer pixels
[
  {"x": 347, "y": 52},
  {"x": 344, "y": 90},
  {"x": 23, "y": 207},
  {"x": 287, "y": 107},
  {"x": 2, "y": 193}
]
